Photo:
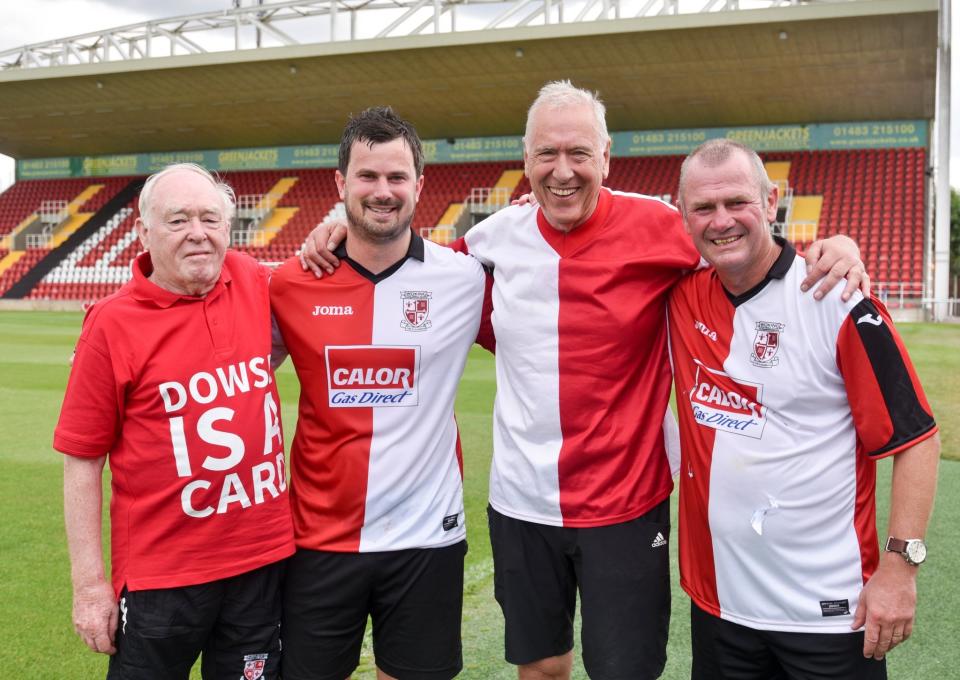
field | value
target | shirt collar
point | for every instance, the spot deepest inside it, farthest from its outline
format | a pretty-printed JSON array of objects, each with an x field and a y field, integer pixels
[
  {"x": 415, "y": 250},
  {"x": 785, "y": 259},
  {"x": 777, "y": 270},
  {"x": 146, "y": 290},
  {"x": 567, "y": 242}
]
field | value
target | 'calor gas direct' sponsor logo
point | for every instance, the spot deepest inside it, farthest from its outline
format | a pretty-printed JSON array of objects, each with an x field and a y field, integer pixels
[
  {"x": 364, "y": 376},
  {"x": 727, "y": 404}
]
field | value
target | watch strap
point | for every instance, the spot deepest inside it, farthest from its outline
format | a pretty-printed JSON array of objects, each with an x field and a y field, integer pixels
[{"x": 897, "y": 545}]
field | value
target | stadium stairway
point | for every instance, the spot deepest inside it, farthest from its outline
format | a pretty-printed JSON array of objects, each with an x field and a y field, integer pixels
[
  {"x": 26, "y": 283},
  {"x": 804, "y": 219},
  {"x": 280, "y": 215},
  {"x": 15, "y": 232},
  {"x": 9, "y": 259},
  {"x": 777, "y": 171},
  {"x": 77, "y": 219},
  {"x": 445, "y": 230}
]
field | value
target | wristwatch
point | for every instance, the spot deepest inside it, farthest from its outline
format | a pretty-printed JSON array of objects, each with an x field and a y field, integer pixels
[{"x": 914, "y": 550}]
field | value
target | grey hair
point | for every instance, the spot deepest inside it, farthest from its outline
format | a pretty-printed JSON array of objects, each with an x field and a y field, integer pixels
[
  {"x": 224, "y": 190},
  {"x": 714, "y": 152},
  {"x": 561, "y": 94}
]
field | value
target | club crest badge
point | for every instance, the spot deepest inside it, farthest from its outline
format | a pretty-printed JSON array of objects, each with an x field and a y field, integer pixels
[
  {"x": 416, "y": 310},
  {"x": 253, "y": 666},
  {"x": 766, "y": 344}
]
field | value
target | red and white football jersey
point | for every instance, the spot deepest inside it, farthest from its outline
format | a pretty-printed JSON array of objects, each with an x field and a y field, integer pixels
[
  {"x": 178, "y": 391},
  {"x": 784, "y": 404},
  {"x": 376, "y": 462},
  {"x": 583, "y": 377}
]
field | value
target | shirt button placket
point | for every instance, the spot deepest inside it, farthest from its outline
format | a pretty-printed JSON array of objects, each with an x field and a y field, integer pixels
[{"x": 216, "y": 324}]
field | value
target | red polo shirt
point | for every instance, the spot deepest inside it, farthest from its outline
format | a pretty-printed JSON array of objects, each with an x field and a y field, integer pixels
[{"x": 178, "y": 391}]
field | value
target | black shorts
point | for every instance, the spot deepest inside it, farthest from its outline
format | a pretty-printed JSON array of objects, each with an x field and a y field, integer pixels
[
  {"x": 234, "y": 623},
  {"x": 723, "y": 650},
  {"x": 414, "y": 598},
  {"x": 623, "y": 574}
]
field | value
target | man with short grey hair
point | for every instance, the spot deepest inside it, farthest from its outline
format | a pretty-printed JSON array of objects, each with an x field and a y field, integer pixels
[
  {"x": 579, "y": 484},
  {"x": 785, "y": 404},
  {"x": 171, "y": 380}
]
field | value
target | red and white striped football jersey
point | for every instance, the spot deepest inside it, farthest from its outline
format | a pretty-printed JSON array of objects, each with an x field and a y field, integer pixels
[
  {"x": 583, "y": 378},
  {"x": 375, "y": 461},
  {"x": 784, "y": 405}
]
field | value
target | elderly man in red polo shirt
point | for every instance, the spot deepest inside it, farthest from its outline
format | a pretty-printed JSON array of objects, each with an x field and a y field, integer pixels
[{"x": 171, "y": 380}]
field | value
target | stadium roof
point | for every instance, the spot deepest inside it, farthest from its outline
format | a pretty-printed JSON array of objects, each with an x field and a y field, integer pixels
[{"x": 823, "y": 62}]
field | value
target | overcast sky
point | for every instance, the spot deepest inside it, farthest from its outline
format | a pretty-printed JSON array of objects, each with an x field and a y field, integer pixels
[{"x": 20, "y": 24}]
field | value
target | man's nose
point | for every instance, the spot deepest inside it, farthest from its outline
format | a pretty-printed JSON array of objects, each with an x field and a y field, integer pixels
[
  {"x": 723, "y": 218},
  {"x": 196, "y": 229},
  {"x": 562, "y": 169},
  {"x": 382, "y": 189}
]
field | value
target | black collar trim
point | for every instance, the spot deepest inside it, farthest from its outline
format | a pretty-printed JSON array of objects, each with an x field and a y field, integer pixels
[
  {"x": 415, "y": 250},
  {"x": 777, "y": 271}
]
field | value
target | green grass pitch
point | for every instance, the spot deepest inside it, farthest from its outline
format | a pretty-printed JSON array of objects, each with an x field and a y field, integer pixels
[{"x": 38, "y": 640}]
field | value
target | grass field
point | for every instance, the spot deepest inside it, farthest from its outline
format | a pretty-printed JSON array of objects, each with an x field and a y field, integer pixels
[{"x": 35, "y": 630}]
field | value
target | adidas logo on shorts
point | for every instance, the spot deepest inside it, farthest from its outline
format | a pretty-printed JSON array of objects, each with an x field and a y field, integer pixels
[{"x": 658, "y": 541}]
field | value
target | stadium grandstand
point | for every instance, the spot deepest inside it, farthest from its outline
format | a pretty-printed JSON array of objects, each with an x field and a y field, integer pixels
[{"x": 846, "y": 100}]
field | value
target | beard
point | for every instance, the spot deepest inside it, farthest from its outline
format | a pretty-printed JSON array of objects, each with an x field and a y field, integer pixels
[{"x": 373, "y": 231}]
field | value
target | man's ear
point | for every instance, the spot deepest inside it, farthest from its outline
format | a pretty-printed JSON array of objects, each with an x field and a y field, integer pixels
[
  {"x": 771, "y": 206},
  {"x": 416, "y": 196},
  {"x": 142, "y": 234},
  {"x": 606, "y": 158}
]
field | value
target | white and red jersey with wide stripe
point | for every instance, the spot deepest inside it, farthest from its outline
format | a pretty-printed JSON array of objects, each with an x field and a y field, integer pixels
[
  {"x": 376, "y": 461},
  {"x": 784, "y": 405},
  {"x": 583, "y": 377}
]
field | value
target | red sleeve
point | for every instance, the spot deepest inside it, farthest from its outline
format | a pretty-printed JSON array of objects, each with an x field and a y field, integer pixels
[
  {"x": 90, "y": 416},
  {"x": 890, "y": 410},
  {"x": 676, "y": 244},
  {"x": 460, "y": 245},
  {"x": 485, "y": 336}
]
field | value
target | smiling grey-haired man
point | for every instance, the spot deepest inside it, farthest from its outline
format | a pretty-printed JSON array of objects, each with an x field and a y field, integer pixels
[{"x": 785, "y": 404}]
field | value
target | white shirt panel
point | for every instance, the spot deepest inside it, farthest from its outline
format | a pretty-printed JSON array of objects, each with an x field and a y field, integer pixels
[
  {"x": 788, "y": 498},
  {"x": 414, "y": 480},
  {"x": 524, "y": 477}
]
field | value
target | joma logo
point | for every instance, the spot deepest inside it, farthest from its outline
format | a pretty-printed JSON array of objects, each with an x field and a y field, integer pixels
[
  {"x": 333, "y": 310},
  {"x": 702, "y": 327}
]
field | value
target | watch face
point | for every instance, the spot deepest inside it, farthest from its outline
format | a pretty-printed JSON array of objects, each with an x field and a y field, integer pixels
[{"x": 916, "y": 551}]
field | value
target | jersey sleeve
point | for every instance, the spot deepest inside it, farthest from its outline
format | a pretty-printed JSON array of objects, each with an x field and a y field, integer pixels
[
  {"x": 460, "y": 245},
  {"x": 687, "y": 255},
  {"x": 485, "y": 336},
  {"x": 90, "y": 416},
  {"x": 486, "y": 239},
  {"x": 890, "y": 410},
  {"x": 278, "y": 348}
]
